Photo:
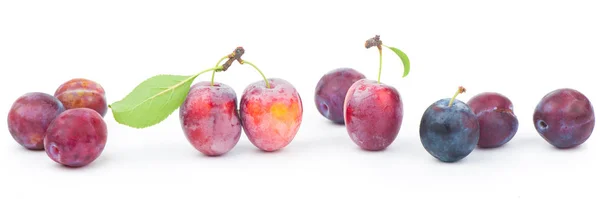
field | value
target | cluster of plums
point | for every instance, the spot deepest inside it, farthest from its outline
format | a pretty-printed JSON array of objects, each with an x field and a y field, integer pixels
[
  {"x": 450, "y": 129},
  {"x": 68, "y": 125},
  {"x": 270, "y": 116}
]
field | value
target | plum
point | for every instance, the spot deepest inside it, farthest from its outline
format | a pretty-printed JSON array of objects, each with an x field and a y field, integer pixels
[
  {"x": 30, "y": 116},
  {"x": 373, "y": 114},
  {"x": 497, "y": 122},
  {"x": 76, "y": 137},
  {"x": 209, "y": 118},
  {"x": 331, "y": 92},
  {"x": 449, "y": 129},
  {"x": 564, "y": 118},
  {"x": 82, "y": 93},
  {"x": 271, "y": 116}
]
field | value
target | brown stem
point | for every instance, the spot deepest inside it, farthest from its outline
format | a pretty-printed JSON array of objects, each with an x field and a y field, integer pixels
[
  {"x": 236, "y": 55},
  {"x": 375, "y": 41}
]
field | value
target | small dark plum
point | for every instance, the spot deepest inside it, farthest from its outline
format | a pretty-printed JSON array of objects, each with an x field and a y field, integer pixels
[
  {"x": 82, "y": 93},
  {"x": 373, "y": 114},
  {"x": 30, "y": 116},
  {"x": 76, "y": 137},
  {"x": 331, "y": 91},
  {"x": 497, "y": 121},
  {"x": 564, "y": 118},
  {"x": 449, "y": 129},
  {"x": 209, "y": 118}
]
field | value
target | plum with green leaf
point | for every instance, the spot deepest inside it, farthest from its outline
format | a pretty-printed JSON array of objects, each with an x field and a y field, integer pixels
[
  {"x": 153, "y": 100},
  {"x": 373, "y": 111}
]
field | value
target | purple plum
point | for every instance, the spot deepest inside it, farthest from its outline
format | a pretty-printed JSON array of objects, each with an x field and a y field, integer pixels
[
  {"x": 497, "y": 121},
  {"x": 76, "y": 137},
  {"x": 373, "y": 114},
  {"x": 30, "y": 116},
  {"x": 209, "y": 118},
  {"x": 564, "y": 118},
  {"x": 331, "y": 92}
]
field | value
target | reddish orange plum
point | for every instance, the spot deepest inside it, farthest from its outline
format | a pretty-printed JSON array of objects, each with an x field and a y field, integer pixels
[
  {"x": 271, "y": 117},
  {"x": 373, "y": 114},
  {"x": 82, "y": 93}
]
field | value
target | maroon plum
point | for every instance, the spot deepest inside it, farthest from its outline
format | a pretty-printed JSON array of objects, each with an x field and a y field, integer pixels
[
  {"x": 209, "y": 118},
  {"x": 331, "y": 91},
  {"x": 76, "y": 137},
  {"x": 564, "y": 118},
  {"x": 497, "y": 121},
  {"x": 30, "y": 116},
  {"x": 373, "y": 114},
  {"x": 82, "y": 93},
  {"x": 271, "y": 116}
]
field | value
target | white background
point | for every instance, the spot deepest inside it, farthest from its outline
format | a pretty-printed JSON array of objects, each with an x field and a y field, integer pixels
[{"x": 522, "y": 49}]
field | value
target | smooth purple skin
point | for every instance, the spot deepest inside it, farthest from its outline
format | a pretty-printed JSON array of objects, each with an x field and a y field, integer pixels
[
  {"x": 449, "y": 133},
  {"x": 209, "y": 118},
  {"x": 331, "y": 92},
  {"x": 30, "y": 116},
  {"x": 497, "y": 121},
  {"x": 76, "y": 137},
  {"x": 564, "y": 118},
  {"x": 373, "y": 114}
]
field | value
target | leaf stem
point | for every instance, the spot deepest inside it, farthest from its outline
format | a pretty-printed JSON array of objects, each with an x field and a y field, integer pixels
[
  {"x": 208, "y": 70},
  {"x": 380, "y": 66},
  {"x": 212, "y": 80},
  {"x": 263, "y": 75},
  {"x": 459, "y": 91}
]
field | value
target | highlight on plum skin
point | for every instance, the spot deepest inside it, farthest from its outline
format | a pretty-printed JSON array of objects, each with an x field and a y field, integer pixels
[
  {"x": 29, "y": 117},
  {"x": 76, "y": 137},
  {"x": 271, "y": 117},
  {"x": 449, "y": 133},
  {"x": 209, "y": 118},
  {"x": 373, "y": 114},
  {"x": 82, "y": 93},
  {"x": 497, "y": 122},
  {"x": 564, "y": 118},
  {"x": 331, "y": 91}
]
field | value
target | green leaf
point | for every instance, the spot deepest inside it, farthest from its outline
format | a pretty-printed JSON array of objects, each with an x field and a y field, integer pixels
[
  {"x": 404, "y": 59},
  {"x": 152, "y": 101}
]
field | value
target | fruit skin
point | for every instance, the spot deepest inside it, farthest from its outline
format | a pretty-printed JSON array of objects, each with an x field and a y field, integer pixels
[
  {"x": 331, "y": 90},
  {"x": 82, "y": 93},
  {"x": 209, "y": 118},
  {"x": 76, "y": 137},
  {"x": 373, "y": 114},
  {"x": 449, "y": 133},
  {"x": 497, "y": 122},
  {"x": 271, "y": 117},
  {"x": 564, "y": 118},
  {"x": 29, "y": 117}
]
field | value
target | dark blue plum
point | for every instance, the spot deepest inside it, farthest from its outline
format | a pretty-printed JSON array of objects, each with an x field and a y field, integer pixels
[{"x": 449, "y": 133}]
